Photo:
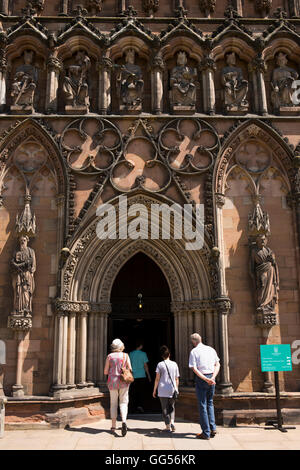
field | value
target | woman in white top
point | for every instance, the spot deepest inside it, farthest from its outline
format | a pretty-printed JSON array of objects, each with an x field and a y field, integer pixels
[
  {"x": 117, "y": 388},
  {"x": 166, "y": 383}
]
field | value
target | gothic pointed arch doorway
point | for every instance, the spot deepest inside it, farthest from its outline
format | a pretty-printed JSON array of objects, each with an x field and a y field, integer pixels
[{"x": 141, "y": 312}]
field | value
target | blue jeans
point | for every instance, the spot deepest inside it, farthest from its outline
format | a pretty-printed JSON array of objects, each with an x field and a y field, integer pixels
[{"x": 205, "y": 394}]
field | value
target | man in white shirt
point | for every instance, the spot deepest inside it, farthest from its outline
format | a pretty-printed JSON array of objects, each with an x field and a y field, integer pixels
[{"x": 205, "y": 363}]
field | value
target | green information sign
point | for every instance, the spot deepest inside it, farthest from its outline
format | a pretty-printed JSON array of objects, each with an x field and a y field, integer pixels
[{"x": 275, "y": 357}]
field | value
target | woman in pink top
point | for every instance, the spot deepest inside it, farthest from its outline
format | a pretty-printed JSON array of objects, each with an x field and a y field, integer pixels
[{"x": 117, "y": 388}]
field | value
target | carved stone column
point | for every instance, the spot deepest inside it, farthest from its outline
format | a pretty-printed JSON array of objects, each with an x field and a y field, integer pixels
[
  {"x": 223, "y": 303},
  {"x": 71, "y": 351},
  {"x": 64, "y": 7},
  {"x": 60, "y": 354},
  {"x": 5, "y": 7},
  {"x": 223, "y": 308},
  {"x": 157, "y": 68},
  {"x": 258, "y": 69},
  {"x": 3, "y": 68},
  {"x": 104, "y": 68},
  {"x": 207, "y": 67},
  {"x": 54, "y": 68},
  {"x": 82, "y": 350},
  {"x": 188, "y": 319},
  {"x": 91, "y": 353},
  {"x": 18, "y": 389}
]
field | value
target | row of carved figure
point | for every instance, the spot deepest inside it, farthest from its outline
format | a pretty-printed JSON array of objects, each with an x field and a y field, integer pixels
[{"x": 130, "y": 84}]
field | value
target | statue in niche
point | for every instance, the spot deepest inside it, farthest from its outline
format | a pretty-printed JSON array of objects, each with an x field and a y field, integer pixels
[
  {"x": 75, "y": 87},
  {"x": 264, "y": 271},
  {"x": 183, "y": 84},
  {"x": 235, "y": 87},
  {"x": 23, "y": 267},
  {"x": 94, "y": 6},
  {"x": 130, "y": 83},
  {"x": 25, "y": 84},
  {"x": 281, "y": 84}
]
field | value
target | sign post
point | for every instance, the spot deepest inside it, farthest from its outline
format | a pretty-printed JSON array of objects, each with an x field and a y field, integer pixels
[{"x": 275, "y": 358}]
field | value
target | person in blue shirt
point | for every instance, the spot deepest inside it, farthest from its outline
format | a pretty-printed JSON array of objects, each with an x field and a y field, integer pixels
[{"x": 139, "y": 362}]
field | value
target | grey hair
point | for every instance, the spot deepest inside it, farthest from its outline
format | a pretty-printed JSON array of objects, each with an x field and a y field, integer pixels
[{"x": 196, "y": 337}]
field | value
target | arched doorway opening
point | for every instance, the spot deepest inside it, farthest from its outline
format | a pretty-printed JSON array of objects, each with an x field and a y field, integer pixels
[{"x": 141, "y": 300}]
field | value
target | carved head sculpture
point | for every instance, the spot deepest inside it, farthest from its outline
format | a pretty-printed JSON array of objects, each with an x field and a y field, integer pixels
[
  {"x": 281, "y": 59},
  {"x": 80, "y": 57},
  {"x": 23, "y": 241},
  {"x": 28, "y": 56},
  {"x": 261, "y": 241},
  {"x": 181, "y": 58},
  {"x": 231, "y": 58},
  {"x": 130, "y": 56}
]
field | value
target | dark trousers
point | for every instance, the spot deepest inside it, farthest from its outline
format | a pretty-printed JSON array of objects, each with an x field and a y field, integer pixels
[
  {"x": 137, "y": 393},
  {"x": 168, "y": 409},
  {"x": 205, "y": 394}
]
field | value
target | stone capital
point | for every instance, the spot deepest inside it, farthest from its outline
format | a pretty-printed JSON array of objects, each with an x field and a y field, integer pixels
[
  {"x": 207, "y": 63},
  {"x": 220, "y": 199},
  {"x": 157, "y": 62},
  {"x": 223, "y": 305},
  {"x": 105, "y": 63},
  {"x": 54, "y": 64},
  {"x": 19, "y": 323},
  {"x": 258, "y": 64}
]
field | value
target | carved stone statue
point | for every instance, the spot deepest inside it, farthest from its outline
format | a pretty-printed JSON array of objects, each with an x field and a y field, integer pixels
[
  {"x": 281, "y": 84},
  {"x": 264, "y": 271},
  {"x": 235, "y": 87},
  {"x": 130, "y": 83},
  {"x": 75, "y": 87},
  {"x": 24, "y": 85},
  {"x": 94, "y": 6},
  {"x": 183, "y": 84},
  {"x": 23, "y": 267}
]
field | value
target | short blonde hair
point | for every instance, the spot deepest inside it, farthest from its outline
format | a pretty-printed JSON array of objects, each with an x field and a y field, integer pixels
[{"x": 117, "y": 345}]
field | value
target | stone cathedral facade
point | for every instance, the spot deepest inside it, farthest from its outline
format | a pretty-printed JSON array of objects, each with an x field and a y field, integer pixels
[{"x": 178, "y": 102}]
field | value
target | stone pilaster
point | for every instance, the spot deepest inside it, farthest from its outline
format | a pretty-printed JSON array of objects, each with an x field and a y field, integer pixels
[{"x": 207, "y": 67}]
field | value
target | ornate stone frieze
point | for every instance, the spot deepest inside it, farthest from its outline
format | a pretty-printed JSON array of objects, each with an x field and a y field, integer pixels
[
  {"x": 205, "y": 306},
  {"x": 65, "y": 308}
]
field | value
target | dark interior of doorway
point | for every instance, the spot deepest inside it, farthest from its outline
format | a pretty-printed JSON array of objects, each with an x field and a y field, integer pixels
[{"x": 152, "y": 323}]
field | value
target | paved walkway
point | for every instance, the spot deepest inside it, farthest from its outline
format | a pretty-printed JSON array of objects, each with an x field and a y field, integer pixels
[{"x": 145, "y": 433}]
